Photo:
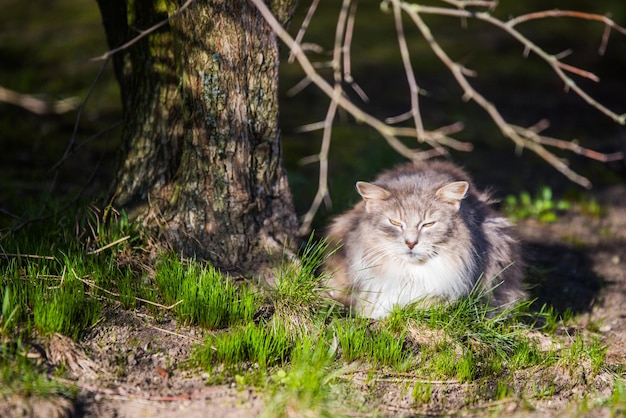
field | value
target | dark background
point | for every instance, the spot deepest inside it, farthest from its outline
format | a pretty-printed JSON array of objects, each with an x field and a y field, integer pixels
[{"x": 45, "y": 49}]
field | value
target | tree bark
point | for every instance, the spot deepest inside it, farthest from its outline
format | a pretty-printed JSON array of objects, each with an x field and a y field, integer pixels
[{"x": 201, "y": 163}]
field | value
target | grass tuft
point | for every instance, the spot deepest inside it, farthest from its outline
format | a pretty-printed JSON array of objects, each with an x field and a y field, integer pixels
[
  {"x": 207, "y": 297},
  {"x": 298, "y": 294},
  {"x": 65, "y": 309},
  {"x": 264, "y": 345}
]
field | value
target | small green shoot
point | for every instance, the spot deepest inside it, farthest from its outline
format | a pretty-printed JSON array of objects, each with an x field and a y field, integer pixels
[
  {"x": 422, "y": 392},
  {"x": 304, "y": 388},
  {"x": 583, "y": 350},
  {"x": 7, "y": 315},
  {"x": 543, "y": 207}
]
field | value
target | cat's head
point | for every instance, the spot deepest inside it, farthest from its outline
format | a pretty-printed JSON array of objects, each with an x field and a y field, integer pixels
[{"x": 412, "y": 223}]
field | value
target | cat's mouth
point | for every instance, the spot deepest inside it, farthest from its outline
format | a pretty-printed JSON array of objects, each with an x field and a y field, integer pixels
[{"x": 417, "y": 258}]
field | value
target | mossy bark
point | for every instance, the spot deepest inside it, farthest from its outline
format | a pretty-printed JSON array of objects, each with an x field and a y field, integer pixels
[{"x": 201, "y": 162}]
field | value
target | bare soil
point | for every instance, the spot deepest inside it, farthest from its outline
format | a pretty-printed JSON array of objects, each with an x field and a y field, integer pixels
[{"x": 131, "y": 364}]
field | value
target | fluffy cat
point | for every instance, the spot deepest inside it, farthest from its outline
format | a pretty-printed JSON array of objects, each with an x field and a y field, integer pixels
[{"x": 421, "y": 233}]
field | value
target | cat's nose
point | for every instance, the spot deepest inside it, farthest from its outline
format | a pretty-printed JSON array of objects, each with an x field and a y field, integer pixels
[{"x": 410, "y": 244}]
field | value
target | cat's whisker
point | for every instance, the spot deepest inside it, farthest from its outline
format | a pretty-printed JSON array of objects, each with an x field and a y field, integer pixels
[{"x": 374, "y": 259}]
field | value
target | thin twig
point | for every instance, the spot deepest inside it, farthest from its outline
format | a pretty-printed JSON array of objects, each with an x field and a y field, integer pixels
[
  {"x": 195, "y": 339},
  {"x": 62, "y": 279},
  {"x": 582, "y": 73},
  {"x": 73, "y": 149},
  {"x": 68, "y": 149},
  {"x": 570, "y": 146},
  {"x": 300, "y": 85},
  {"x": 521, "y": 137},
  {"x": 322, "y": 187},
  {"x": 386, "y": 131},
  {"x": 462, "y": 4},
  {"x": 509, "y": 27},
  {"x": 117, "y": 295},
  {"x": 43, "y": 257},
  {"x": 117, "y": 241},
  {"x": 304, "y": 27},
  {"x": 117, "y": 394},
  {"x": 414, "y": 90},
  {"x": 566, "y": 13},
  {"x": 143, "y": 33},
  {"x": 347, "y": 56}
]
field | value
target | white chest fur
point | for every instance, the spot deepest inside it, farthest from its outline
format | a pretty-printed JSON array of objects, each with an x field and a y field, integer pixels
[{"x": 398, "y": 283}]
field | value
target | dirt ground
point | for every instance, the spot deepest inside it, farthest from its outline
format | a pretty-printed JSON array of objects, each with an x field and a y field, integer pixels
[{"x": 128, "y": 366}]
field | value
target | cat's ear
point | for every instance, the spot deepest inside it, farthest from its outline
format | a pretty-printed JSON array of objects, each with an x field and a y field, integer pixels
[
  {"x": 369, "y": 191},
  {"x": 453, "y": 193}
]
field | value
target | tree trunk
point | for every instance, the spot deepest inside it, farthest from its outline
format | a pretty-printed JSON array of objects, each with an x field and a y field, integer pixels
[{"x": 201, "y": 162}]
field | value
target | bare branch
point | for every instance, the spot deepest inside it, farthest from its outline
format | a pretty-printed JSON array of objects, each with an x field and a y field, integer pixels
[
  {"x": 522, "y": 137},
  {"x": 578, "y": 71},
  {"x": 347, "y": 66},
  {"x": 410, "y": 75},
  {"x": 304, "y": 27},
  {"x": 322, "y": 188},
  {"x": 439, "y": 140},
  {"x": 572, "y": 146},
  {"x": 37, "y": 105},
  {"x": 608, "y": 23},
  {"x": 462, "y": 4},
  {"x": 470, "y": 93},
  {"x": 566, "y": 13},
  {"x": 386, "y": 131},
  {"x": 509, "y": 27},
  {"x": 74, "y": 149},
  {"x": 301, "y": 85}
]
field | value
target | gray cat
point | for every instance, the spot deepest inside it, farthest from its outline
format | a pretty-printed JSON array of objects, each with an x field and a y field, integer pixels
[{"x": 422, "y": 233}]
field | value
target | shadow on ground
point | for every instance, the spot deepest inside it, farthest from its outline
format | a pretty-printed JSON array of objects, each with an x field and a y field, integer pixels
[{"x": 561, "y": 277}]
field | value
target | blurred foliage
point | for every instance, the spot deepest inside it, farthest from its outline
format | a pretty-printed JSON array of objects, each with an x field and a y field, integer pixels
[{"x": 543, "y": 207}]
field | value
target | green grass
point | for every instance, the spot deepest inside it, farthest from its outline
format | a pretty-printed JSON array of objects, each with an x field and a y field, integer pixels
[
  {"x": 264, "y": 345},
  {"x": 66, "y": 309},
  {"x": 617, "y": 401},
  {"x": 21, "y": 376},
  {"x": 305, "y": 387},
  {"x": 204, "y": 296},
  {"x": 288, "y": 342},
  {"x": 376, "y": 345},
  {"x": 297, "y": 290}
]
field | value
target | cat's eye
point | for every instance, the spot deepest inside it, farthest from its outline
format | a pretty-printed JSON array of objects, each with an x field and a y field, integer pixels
[
  {"x": 395, "y": 223},
  {"x": 428, "y": 224}
]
